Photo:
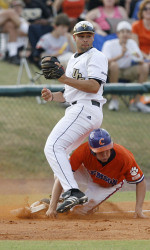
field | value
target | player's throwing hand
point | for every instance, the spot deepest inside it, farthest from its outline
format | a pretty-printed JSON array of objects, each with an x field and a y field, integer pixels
[{"x": 47, "y": 94}]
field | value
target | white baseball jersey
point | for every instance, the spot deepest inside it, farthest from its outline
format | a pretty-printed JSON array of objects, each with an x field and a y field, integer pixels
[{"x": 91, "y": 64}]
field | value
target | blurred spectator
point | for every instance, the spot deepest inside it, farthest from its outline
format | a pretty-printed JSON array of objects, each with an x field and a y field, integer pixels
[
  {"x": 141, "y": 29},
  {"x": 73, "y": 9},
  {"x": 15, "y": 26},
  {"x": 34, "y": 34},
  {"x": 136, "y": 10},
  {"x": 93, "y": 4},
  {"x": 4, "y": 4},
  {"x": 49, "y": 4},
  {"x": 58, "y": 43},
  {"x": 40, "y": 16},
  {"x": 126, "y": 62},
  {"x": 36, "y": 11},
  {"x": 129, "y": 5},
  {"x": 22, "y": 38},
  {"x": 98, "y": 16}
]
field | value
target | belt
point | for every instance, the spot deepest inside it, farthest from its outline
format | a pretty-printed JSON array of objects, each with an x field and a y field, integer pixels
[{"x": 92, "y": 101}]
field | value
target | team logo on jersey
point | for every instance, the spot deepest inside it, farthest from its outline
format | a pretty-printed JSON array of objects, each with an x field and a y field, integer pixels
[
  {"x": 77, "y": 75},
  {"x": 134, "y": 171},
  {"x": 136, "y": 177},
  {"x": 101, "y": 141}
]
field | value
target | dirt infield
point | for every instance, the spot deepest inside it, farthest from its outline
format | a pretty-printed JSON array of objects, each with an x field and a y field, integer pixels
[{"x": 113, "y": 225}]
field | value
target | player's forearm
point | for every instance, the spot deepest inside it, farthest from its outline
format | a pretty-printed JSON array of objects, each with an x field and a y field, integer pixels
[
  {"x": 56, "y": 192},
  {"x": 48, "y": 96},
  {"x": 140, "y": 195},
  {"x": 88, "y": 86},
  {"x": 58, "y": 97}
]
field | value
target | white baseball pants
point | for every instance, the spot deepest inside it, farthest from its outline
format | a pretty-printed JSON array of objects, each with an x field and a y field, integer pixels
[{"x": 79, "y": 120}]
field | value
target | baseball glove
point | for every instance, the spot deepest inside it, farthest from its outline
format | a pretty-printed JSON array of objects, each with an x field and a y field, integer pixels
[{"x": 50, "y": 69}]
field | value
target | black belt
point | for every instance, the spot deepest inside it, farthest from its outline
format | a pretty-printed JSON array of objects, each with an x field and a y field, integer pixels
[{"x": 92, "y": 101}]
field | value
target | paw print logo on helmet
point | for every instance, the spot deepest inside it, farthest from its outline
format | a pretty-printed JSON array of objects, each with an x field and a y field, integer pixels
[
  {"x": 83, "y": 26},
  {"x": 134, "y": 171},
  {"x": 100, "y": 140}
]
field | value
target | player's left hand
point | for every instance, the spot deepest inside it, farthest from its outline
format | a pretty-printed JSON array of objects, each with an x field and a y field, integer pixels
[
  {"x": 139, "y": 214},
  {"x": 51, "y": 213}
]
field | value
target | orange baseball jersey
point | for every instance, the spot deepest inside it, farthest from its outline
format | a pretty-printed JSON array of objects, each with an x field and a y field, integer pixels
[{"x": 122, "y": 166}]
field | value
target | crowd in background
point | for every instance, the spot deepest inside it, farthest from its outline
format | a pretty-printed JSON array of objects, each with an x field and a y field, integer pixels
[{"x": 46, "y": 26}]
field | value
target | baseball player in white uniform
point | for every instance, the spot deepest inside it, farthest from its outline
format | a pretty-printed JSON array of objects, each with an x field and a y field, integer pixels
[{"x": 85, "y": 76}]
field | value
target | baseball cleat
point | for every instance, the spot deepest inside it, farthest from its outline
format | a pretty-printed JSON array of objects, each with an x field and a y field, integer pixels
[{"x": 72, "y": 198}]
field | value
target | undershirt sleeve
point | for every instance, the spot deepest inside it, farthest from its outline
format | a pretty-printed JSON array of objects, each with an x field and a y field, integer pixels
[
  {"x": 99, "y": 81},
  {"x": 62, "y": 91}
]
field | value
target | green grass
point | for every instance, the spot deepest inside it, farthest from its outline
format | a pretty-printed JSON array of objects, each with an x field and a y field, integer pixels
[
  {"x": 9, "y": 74},
  {"x": 132, "y": 131},
  {"x": 76, "y": 245},
  {"x": 25, "y": 125},
  {"x": 126, "y": 196},
  {"x": 24, "y": 131}
]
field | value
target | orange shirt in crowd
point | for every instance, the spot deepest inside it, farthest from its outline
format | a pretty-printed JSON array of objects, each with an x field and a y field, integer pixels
[
  {"x": 122, "y": 166},
  {"x": 73, "y": 8},
  {"x": 143, "y": 35}
]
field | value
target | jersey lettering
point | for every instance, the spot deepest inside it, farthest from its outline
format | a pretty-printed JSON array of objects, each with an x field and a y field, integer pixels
[
  {"x": 77, "y": 75},
  {"x": 103, "y": 177}
]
